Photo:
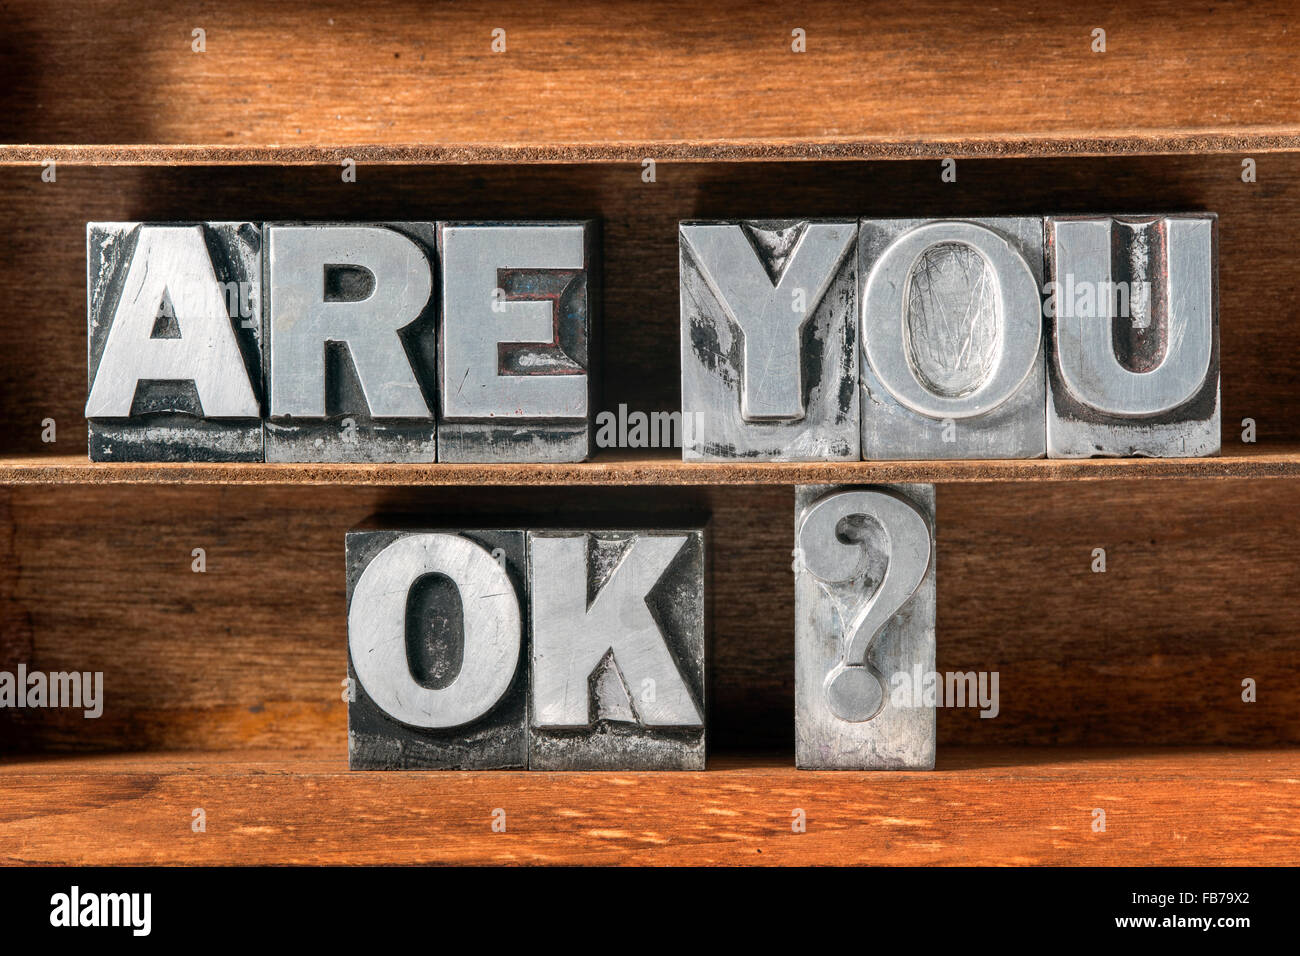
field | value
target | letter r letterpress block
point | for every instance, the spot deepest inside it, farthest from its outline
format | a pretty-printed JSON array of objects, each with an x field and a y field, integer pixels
[
  {"x": 769, "y": 341},
  {"x": 864, "y": 627},
  {"x": 1134, "y": 342},
  {"x": 174, "y": 341},
  {"x": 618, "y": 637},
  {"x": 351, "y": 342},
  {"x": 436, "y": 656}
]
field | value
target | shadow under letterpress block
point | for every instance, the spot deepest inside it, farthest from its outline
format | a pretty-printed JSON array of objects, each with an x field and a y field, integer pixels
[
  {"x": 618, "y": 645},
  {"x": 436, "y": 650},
  {"x": 864, "y": 626},
  {"x": 952, "y": 340},
  {"x": 351, "y": 342},
  {"x": 769, "y": 341},
  {"x": 1134, "y": 336},
  {"x": 520, "y": 307},
  {"x": 174, "y": 341}
]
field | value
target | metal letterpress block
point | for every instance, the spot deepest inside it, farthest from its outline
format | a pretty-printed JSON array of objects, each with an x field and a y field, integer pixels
[
  {"x": 864, "y": 626},
  {"x": 952, "y": 338},
  {"x": 618, "y": 646},
  {"x": 769, "y": 341},
  {"x": 1134, "y": 336},
  {"x": 436, "y": 656},
  {"x": 520, "y": 306},
  {"x": 351, "y": 333},
  {"x": 174, "y": 341}
]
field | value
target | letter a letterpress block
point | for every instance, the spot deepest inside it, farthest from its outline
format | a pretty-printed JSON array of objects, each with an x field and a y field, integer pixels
[
  {"x": 1134, "y": 343},
  {"x": 952, "y": 338},
  {"x": 769, "y": 341},
  {"x": 436, "y": 655},
  {"x": 174, "y": 341},
  {"x": 520, "y": 303},
  {"x": 351, "y": 342},
  {"x": 618, "y": 632},
  {"x": 864, "y": 627}
]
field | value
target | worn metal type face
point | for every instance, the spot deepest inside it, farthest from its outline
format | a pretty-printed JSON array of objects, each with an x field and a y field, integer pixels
[
  {"x": 174, "y": 341},
  {"x": 436, "y": 650},
  {"x": 864, "y": 626},
  {"x": 618, "y": 647},
  {"x": 351, "y": 342},
  {"x": 519, "y": 311},
  {"x": 953, "y": 363},
  {"x": 769, "y": 340},
  {"x": 1134, "y": 336}
]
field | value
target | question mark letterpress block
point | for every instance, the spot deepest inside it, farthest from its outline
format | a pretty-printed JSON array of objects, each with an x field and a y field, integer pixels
[
  {"x": 436, "y": 650},
  {"x": 520, "y": 309},
  {"x": 952, "y": 338},
  {"x": 864, "y": 626},
  {"x": 174, "y": 341},
  {"x": 1133, "y": 315},
  {"x": 351, "y": 342},
  {"x": 618, "y": 649},
  {"x": 769, "y": 332}
]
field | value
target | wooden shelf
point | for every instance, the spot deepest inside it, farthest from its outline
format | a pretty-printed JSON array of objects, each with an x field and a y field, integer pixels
[
  {"x": 981, "y": 806},
  {"x": 298, "y": 82},
  {"x": 624, "y": 468}
]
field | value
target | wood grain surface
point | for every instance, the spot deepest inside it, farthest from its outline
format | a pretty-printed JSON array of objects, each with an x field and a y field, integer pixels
[
  {"x": 981, "y": 806},
  {"x": 42, "y": 330},
  {"x": 627, "y": 78},
  {"x": 1198, "y": 595}
]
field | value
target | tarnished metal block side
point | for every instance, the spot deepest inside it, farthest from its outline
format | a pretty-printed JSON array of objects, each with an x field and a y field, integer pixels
[
  {"x": 769, "y": 340},
  {"x": 953, "y": 363},
  {"x": 865, "y": 600},
  {"x": 449, "y": 662},
  {"x": 618, "y": 622},
  {"x": 351, "y": 332},
  {"x": 1133, "y": 365},
  {"x": 520, "y": 319},
  {"x": 181, "y": 380}
]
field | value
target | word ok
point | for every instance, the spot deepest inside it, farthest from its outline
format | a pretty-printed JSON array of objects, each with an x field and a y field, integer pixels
[
  {"x": 412, "y": 341},
  {"x": 548, "y": 649}
]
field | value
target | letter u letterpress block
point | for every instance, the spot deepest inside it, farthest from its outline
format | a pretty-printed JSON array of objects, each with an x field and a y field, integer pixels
[
  {"x": 351, "y": 342},
  {"x": 769, "y": 340},
  {"x": 952, "y": 338},
  {"x": 618, "y": 646},
  {"x": 1134, "y": 342},
  {"x": 520, "y": 309},
  {"x": 864, "y": 627},
  {"x": 436, "y": 650},
  {"x": 174, "y": 341}
]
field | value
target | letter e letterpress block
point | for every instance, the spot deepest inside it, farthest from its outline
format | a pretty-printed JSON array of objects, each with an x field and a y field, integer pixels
[
  {"x": 436, "y": 652},
  {"x": 174, "y": 341},
  {"x": 351, "y": 337},
  {"x": 618, "y": 646},
  {"x": 952, "y": 338},
  {"x": 520, "y": 304},
  {"x": 769, "y": 340},
  {"x": 1134, "y": 336},
  {"x": 864, "y": 627}
]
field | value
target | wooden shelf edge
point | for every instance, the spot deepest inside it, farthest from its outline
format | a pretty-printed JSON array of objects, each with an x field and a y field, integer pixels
[
  {"x": 980, "y": 806},
  {"x": 626, "y": 469},
  {"x": 1012, "y": 145}
]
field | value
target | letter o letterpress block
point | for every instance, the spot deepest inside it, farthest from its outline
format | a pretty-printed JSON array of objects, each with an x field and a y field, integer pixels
[
  {"x": 174, "y": 341},
  {"x": 952, "y": 338},
  {"x": 769, "y": 341},
  {"x": 618, "y": 646},
  {"x": 351, "y": 342},
  {"x": 1134, "y": 336},
  {"x": 520, "y": 304},
  {"x": 864, "y": 627},
  {"x": 436, "y": 650}
]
